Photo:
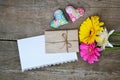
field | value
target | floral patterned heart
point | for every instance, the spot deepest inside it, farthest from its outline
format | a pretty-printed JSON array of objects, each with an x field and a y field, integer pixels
[
  {"x": 74, "y": 14},
  {"x": 59, "y": 19}
]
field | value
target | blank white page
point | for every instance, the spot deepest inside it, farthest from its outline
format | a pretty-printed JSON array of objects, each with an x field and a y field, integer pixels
[{"x": 32, "y": 54}]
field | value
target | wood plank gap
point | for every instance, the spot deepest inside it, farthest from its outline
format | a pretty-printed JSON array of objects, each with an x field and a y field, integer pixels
[{"x": 7, "y": 40}]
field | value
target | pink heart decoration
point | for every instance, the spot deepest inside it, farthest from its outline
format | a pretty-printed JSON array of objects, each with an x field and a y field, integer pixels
[{"x": 74, "y": 14}]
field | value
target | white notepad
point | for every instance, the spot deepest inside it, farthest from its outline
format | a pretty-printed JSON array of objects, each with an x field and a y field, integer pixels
[{"x": 32, "y": 54}]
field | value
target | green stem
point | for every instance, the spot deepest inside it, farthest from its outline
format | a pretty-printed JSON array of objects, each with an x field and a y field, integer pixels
[
  {"x": 114, "y": 48},
  {"x": 115, "y": 34},
  {"x": 115, "y": 41}
]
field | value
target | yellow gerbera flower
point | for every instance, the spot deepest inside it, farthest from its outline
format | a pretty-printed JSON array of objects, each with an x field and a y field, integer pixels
[{"x": 89, "y": 30}]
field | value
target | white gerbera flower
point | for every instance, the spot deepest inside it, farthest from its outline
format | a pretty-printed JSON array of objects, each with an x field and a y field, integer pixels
[{"x": 103, "y": 42}]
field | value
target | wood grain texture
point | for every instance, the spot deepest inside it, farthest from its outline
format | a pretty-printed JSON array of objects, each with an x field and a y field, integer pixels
[
  {"x": 25, "y": 18},
  {"x": 22, "y": 18}
]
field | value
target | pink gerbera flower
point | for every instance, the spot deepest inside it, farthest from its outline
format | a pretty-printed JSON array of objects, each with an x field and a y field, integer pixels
[{"x": 89, "y": 52}]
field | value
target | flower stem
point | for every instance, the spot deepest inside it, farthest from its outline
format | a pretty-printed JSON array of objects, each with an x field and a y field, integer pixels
[
  {"x": 114, "y": 48},
  {"x": 115, "y": 41},
  {"x": 115, "y": 34}
]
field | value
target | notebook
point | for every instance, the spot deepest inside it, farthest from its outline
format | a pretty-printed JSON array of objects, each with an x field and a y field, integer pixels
[{"x": 32, "y": 54}]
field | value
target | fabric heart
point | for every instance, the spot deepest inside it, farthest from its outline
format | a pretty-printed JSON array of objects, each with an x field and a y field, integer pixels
[
  {"x": 59, "y": 19},
  {"x": 74, "y": 14}
]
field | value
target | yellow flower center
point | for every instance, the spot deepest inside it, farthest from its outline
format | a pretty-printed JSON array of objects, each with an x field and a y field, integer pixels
[{"x": 92, "y": 32}]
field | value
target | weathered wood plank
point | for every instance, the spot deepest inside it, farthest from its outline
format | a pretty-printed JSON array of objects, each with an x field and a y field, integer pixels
[
  {"x": 23, "y": 22},
  {"x": 53, "y": 76},
  {"x": 107, "y": 68},
  {"x": 9, "y": 58},
  {"x": 61, "y": 3}
]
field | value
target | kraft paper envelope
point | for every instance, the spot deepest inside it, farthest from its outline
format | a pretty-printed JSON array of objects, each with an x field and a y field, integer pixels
[{"x": 62, "y": 41}]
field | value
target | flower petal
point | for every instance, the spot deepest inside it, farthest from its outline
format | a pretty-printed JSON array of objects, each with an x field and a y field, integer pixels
[
  {"x": 109, "y": 44},
  {"x": 85, "y": 58},
  {"x": 90, "y": 60},
  {"x": 96, "y": 59},
  {"x": 98, "y": 49},
  {"x": 83, "y": 46},
  {"x": 97, "y": 53},
  {"x": 82, "y": 53},
  {"x": 110, "y": 32}
]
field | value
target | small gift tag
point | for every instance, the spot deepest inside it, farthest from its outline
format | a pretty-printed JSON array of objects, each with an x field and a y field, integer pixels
[
  {"x": 59, "y": 19},
  {"x": 74, "y": 14},
  {"x": 61, "y": 41}
]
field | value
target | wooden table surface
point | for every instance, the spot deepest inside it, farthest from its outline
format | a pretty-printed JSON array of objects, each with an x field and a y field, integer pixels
[{"x": 26, "y": 18}]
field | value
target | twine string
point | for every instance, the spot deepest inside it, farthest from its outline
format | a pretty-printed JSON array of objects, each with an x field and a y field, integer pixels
[{"x": 66, "y": 42}]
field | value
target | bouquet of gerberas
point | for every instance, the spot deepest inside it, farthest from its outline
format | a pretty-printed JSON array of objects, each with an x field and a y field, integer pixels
[{"x": 93, "y": 39}]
